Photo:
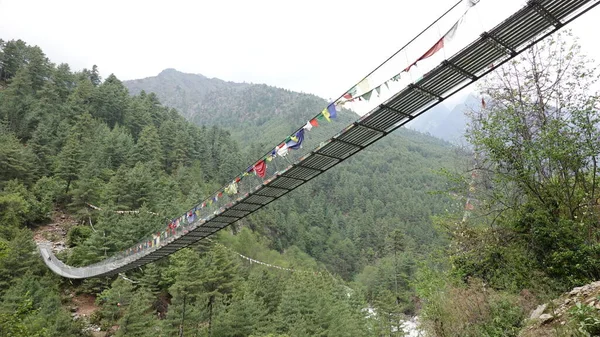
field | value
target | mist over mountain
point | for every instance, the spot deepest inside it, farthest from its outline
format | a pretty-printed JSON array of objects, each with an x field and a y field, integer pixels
[{"x": 447, "y": 123}]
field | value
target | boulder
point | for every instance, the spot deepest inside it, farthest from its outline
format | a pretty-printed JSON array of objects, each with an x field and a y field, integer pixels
[
  {"x": 538, "y": 311},
  {"x": 546, "y": 318}
]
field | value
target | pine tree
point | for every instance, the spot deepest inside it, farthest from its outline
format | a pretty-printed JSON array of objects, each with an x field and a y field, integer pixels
[
  {"x": 244, "y": 316},
  {"x": 69, "y": 161},
  {"x": 148, "y": 148},
  {"x": 15, "y": 160},
  {"x": 115, "y": 300},
  {"x": 139, "y": 319},
  {"x": 219, "y": 278},
  {"x": 185, "y": 312},
  {"x": 110, "y": 101}
]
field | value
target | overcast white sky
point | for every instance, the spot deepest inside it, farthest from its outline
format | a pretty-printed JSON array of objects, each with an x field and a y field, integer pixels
[{"x": 316, "y": 46}]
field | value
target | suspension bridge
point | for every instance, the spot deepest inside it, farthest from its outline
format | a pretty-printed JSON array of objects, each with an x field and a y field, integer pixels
[{"x": 490, "y": 50}]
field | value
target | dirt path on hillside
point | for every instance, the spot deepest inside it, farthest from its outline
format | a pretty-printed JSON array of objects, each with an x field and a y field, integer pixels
[
  {"x": 85, "y": 304},
  {"x": 56, "y": 231},
  {"x": 81, "y": 306}
]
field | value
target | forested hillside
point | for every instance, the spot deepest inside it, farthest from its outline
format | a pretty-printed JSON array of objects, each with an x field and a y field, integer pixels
[
  {"x": 370, "y": 215},
  {"x": 72, "y": 139}
]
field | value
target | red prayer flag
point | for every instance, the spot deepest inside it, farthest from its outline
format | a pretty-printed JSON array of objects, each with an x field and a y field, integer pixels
[
  {"x": 314, "y": 122},
  {"x": 436, "y": 47},
  {"x": 260, "y": 168}
]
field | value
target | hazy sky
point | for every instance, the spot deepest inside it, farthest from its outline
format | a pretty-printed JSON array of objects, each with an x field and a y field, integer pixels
[{"x": 320, "y": 47}]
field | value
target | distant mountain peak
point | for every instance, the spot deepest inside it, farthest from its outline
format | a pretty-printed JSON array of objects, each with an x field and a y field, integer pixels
[{"x": 174, "y": 72}]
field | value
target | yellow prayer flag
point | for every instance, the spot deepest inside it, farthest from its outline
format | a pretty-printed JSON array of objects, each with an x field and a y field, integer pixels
[{"x": 326, "y": 114}]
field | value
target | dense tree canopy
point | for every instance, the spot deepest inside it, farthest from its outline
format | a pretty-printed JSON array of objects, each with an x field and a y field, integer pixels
[{"x": 69, "y": 140}]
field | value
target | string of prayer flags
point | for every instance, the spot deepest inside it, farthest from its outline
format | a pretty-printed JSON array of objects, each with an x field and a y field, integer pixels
[{"x": 260, "y": 168}]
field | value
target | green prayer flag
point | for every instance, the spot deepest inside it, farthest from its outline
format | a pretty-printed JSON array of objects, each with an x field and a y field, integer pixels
[{"x": 367, "y": 96}]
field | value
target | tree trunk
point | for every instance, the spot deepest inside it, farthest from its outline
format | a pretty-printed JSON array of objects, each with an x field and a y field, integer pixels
[{"x": 210, "y": 314}]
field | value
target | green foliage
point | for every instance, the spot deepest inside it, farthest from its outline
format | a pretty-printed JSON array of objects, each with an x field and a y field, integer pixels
[
  {"x": 15, "y": 159},
  {"x": 32, "y": 307},
  {"x": 139, "y": 320},
  {"x": 534, "y": 187},
  {"x": 78, "y": 234},
  {"x": 453, "y": 308},
  {"x": 71, "y": 139},
  {"x": 540, "y": 150},
  {"x": 586, "y": 318}
]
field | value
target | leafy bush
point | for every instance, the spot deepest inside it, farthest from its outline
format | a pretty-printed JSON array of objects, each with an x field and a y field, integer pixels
[
  {"x": 587, "y": 319},
  {"x": 451, "y": 308}
]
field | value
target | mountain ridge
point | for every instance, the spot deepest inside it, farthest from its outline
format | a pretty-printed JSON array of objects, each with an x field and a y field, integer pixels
[{"x": 251, "y": 108}]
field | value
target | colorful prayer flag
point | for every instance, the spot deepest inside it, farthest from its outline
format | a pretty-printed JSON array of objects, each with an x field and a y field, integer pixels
[
  {"x": 367, "y": 96},
  {"x": 449, "y": 36},
  {"x": 331, "y": 110},
  {"x": 364, "y": 85},
  {"x": 260, "y": 168},
  {"x": 314, "y": 122},
  {"x": 296, "y": 144},
  {"x": 282, "y": 150},
  {"x": 326, "y": 114},
  {"x": 436, "y": 47},
  {"x": 350, "y": 94}
]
